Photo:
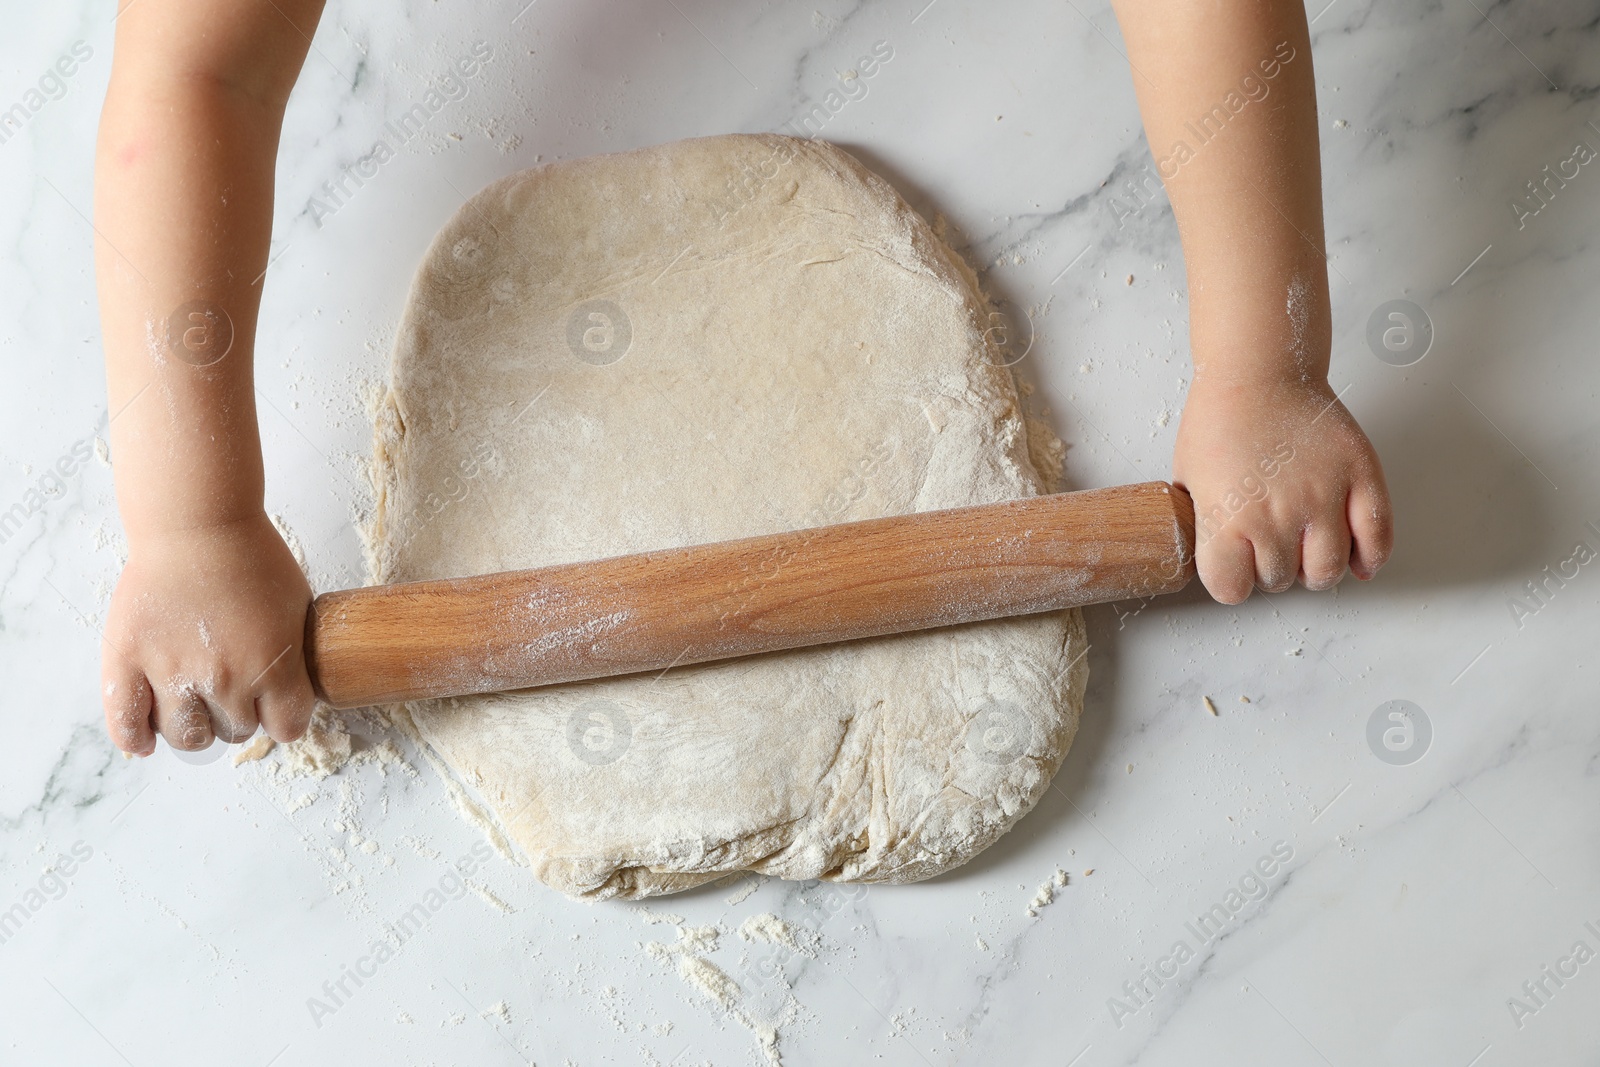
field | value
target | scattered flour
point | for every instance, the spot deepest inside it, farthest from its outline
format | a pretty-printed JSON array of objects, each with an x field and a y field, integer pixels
[
  {"x": 688, "y": 955},
  {"x": 425, "y": 851},
  {"x": 488, "y": 896},
  {"x": 773, "y": 930},
  {"x": 709, "y": 979},
  {"x": 697, "y": 938},
  {"x": 323, "y": 749}
]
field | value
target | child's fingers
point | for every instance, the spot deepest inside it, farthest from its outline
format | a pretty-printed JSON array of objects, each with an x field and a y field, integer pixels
[
  {"x": 1227, "y": 567},
  {"x": 285, "y": 709},
  {"x": 125, "y": 694},
  {"x": 1325, "y": 551},
  {"x": 1371, "y": 526},
  {"x": 183, "y": 718},
  {"x": 234, "y": 722},
  {"x": 1277, "y": 560},
  {"x": 231, "y": 706}
]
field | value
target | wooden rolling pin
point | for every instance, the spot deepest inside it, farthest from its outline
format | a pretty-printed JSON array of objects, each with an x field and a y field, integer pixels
[{"x": 655, "y": 610}]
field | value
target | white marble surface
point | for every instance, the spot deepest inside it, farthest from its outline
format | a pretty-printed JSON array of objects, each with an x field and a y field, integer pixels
[{"x": 1418, "y": 898}]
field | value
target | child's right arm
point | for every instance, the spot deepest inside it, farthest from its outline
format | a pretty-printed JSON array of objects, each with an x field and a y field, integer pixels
[{"x": 204, "y": 633}]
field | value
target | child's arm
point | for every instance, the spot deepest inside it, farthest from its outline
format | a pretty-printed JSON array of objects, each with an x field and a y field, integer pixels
[
  {"x": 1284, "y": 482},
  {"x": 205, "y": 628}
]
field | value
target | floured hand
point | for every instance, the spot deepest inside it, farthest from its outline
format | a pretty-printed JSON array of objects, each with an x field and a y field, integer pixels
[
  {"x": 1285, "y": 486},
  {"x": 204, "y": 640}
]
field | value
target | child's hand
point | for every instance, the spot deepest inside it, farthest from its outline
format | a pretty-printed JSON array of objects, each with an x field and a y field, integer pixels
[
  {"x": 1285, "y": 485},
  {"x": 204, "y": 640}
]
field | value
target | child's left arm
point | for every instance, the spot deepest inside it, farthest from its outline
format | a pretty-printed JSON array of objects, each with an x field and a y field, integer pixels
[{"x": 1285, "y": 484}]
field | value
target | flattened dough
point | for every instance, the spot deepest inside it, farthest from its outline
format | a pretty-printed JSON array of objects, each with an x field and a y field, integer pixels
[{"x": 706, "y": 340}]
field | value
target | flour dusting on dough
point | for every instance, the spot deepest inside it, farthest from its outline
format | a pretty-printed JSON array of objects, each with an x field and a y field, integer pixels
[{"x": 572, "y": 382}]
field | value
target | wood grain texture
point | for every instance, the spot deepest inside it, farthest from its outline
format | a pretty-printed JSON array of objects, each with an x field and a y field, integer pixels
[{"x": 654, "y": 610}]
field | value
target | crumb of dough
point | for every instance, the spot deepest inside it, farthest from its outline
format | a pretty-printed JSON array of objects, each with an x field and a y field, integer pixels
[
  {"x": 1212, "y": 708},
  {"x": 259, "y": 747},
  {"x": 1046, "y": 893},
  {"x": 660, "y": 918},
  {"x": 1088, "y": 872},
  {"x": 982, "y": 944},
  {"x": 740, "y": 895},
  {"x": 327, "y": 748},
  {"x": 1244, "y": 700}
]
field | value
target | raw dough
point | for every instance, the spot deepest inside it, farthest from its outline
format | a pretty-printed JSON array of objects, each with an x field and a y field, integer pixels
[{"x": 706, "y": 340}]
